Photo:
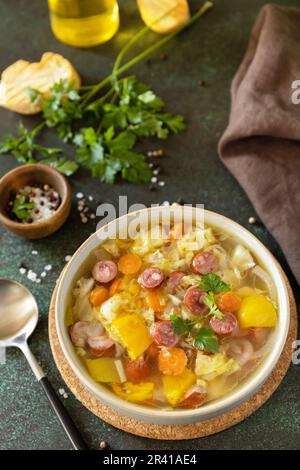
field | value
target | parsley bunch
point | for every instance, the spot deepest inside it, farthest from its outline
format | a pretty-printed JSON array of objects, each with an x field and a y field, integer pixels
[{"x": 105, "y": 131}]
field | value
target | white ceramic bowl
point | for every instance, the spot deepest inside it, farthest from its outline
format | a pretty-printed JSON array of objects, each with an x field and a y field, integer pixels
[{"x": 74, "y": 270}]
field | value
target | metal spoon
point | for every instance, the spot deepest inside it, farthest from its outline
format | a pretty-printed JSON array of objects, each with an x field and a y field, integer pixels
[{"x": 18, "y": 319}]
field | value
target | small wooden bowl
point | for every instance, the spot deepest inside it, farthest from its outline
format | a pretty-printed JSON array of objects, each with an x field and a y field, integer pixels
[{"x": 29, "y": 174}]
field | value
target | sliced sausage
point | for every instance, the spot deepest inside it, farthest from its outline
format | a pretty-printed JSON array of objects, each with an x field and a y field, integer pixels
[
  {"x": 82, "y": 330},
  {"x": 240, "y": 349},
  {"x": 194, "y": 400},
  {"x": 173, "y": 280},
  {"x": 104, "y": 271},
  {"x": 224, "y": 326},
  {"x": 163, "y": 333},
  {"x": 205, "y": 262},
  {"x": 137, "y": 370},
  {"x": 151, "y": 278},
  {"x": 101, "y": 346},
  {"x": 258, "y": 336},
  {"x": 193, "y": 300}
]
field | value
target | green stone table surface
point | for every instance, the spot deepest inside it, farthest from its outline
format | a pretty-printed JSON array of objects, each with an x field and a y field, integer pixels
[{"x": 209, "y": 51}]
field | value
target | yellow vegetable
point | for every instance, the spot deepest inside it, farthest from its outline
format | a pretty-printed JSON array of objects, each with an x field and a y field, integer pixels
[
  {"x": 134, "y": 288},
  {"x": 103, "y": 369},
  {"x": 256, "y": 311},
  {"x": 133, "y": 333},
  {"x": 136, "y": 393},
  {"x": 175, "y": 386}
]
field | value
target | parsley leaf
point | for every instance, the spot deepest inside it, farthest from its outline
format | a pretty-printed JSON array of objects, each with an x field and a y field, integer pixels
[
  {"x": 22, "y": 207},
  {"x": 212, "y": 282},
  {"x": 106, "y": 156},
  {"x": 209, "y": 300},
  {"x": 62, "y": 107},
  {"x": 206, "y": 340},
  {"x": 34, "y": 95},
  {"x": 64, "y": 166},
  {"x": 180, "y": 325}
]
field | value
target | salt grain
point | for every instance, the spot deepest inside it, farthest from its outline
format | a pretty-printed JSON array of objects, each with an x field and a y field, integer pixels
[
  {"x": 48, "y": 267},
  {"x": 34, "y": 252},
  {"x": 161, "y": 183},
  {"x": 153, "y": 179},
  {"x": 31, "y": 276},
  {"x": 91, "y": 198},
  {"x": 67, "y": 258},
  {"x": 61, "y": 391},
  {"x": 22, "y": 270},
  {"x": 43, "y": 274},
  {"x": 65, "y": 395},
  {"x": 79, "y": 195}
]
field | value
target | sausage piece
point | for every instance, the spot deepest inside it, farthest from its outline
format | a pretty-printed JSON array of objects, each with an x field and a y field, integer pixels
[
  {"x": 137, "y": 370},
  {"x": 104, "y": 271},
  {"x": 224, "y": 326},
  {"x": 193, "y": 300},
  {"x": 82, "y": 330},
  {"x": 101, "y": 346},
  {"x": 163, "y": 333},
  {"x": 151, "y": 278},
  {"x": 205, "y": 262},
  {"x": 173, "y": 280}
]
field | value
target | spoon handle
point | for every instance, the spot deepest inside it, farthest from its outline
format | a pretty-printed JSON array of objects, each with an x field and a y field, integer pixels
[{"x": 63, "y": 416}]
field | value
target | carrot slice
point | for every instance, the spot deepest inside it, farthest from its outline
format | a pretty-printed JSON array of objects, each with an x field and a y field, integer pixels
[
  {"x": 229, "y": 302},
  {"x": 114, "y": 287},
  {"x": 155, "y": 300},
  {"x": 129, "y": 263},
  {"x": 172, "y": 361},
  {"x": 98, "y": 296}
]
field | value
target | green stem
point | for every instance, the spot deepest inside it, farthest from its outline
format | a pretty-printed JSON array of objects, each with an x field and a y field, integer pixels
[
  {"x": 206, "y": 6},
  {"x": 136, "y": 38},
  {"x": 99, "y": 101},
  {"x": 38, "y": 128}
]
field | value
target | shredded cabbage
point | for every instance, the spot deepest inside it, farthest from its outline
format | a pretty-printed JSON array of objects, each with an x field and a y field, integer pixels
[
  {"x": 242, "y": 258},
  {"x": 261, "y": 273},
  {"x": 209, "y": 367},
  {"x": 82, "y": 309}
]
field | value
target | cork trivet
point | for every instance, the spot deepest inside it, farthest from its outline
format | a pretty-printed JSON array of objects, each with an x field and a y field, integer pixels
[{"x": 174, "y": 432}]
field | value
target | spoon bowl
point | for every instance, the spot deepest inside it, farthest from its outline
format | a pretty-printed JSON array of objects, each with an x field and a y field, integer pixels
[{"x": 18, "y": 313}]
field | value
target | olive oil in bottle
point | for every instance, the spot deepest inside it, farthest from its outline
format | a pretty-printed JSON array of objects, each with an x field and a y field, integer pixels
[{"x": 84, "y": 23}]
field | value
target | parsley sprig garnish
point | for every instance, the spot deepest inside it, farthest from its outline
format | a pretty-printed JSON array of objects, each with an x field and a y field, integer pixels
[
  {"x": 213, "y": 284},
  {"x": 104, "y": 121},
  {"x": 204, "y": 338}
]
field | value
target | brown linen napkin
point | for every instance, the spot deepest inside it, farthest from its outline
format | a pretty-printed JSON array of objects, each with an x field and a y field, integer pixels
[{"x": 261, "y": 145}]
